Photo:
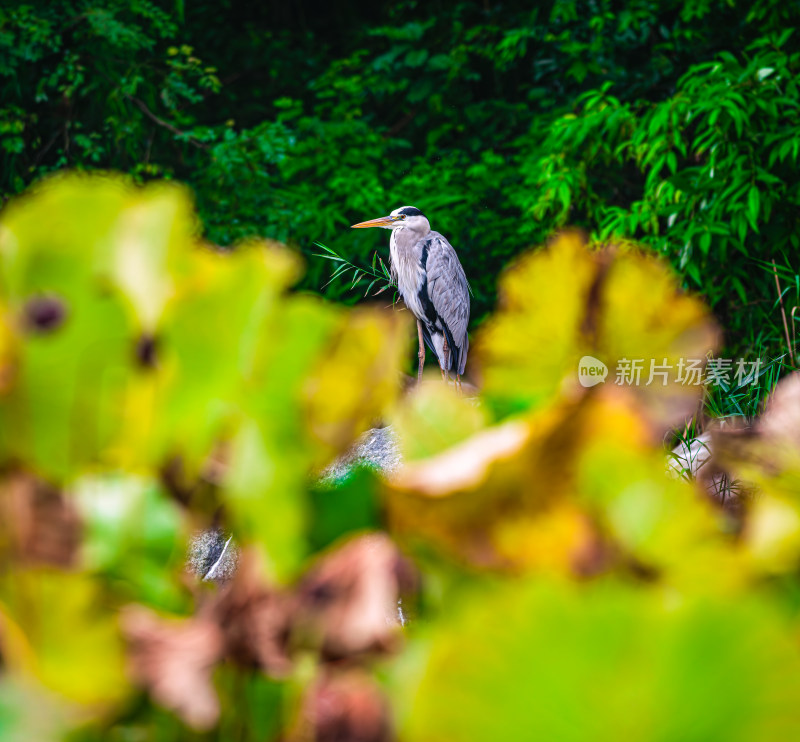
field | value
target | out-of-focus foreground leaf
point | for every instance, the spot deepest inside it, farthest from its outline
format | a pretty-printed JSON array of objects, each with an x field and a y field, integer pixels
[
  {"x": 533, "y": 343},
  {"x": 135, "y": 346},
  {"x": 74, "y": 335},
  {"x": 606, "y": 662},
  {"x": 146, "y": 382},
  {"x": 63, "y": 635},
  {"x": 767, "y": 458},
  {"x": 573, "y": 487},
  {"x": 616, "y": 305},
  {"x": 134, "y": 536},
  {"x": 432, "y": 418},
  {"x": 149, "y": 383}
]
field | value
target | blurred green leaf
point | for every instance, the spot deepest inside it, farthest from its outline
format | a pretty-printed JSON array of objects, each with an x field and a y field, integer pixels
[
  {"x": 344, "y": 507},
  {"x": 434, "y": 417},
  {"x": 134, "y": 536},
  {"x": 550, "y": 661}
]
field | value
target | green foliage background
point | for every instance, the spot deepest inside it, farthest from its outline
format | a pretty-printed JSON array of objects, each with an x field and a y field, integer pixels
[{"x": 673, "y": 123}]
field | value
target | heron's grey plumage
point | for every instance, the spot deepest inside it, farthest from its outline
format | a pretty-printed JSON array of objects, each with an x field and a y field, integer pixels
[{"x": 433, "y": 285}]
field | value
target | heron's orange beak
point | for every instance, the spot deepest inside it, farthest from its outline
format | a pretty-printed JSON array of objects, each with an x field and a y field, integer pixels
[{"x": 383, "y": 221}]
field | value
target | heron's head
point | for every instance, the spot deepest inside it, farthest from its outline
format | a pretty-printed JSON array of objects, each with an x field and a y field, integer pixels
[{"x": 407, "y": 217}]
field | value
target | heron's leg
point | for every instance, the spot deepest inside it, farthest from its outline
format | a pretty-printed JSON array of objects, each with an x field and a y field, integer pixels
[
  {"x": 421, "y": 353},
  {"x": 458, "y": 385},
  {"x": 446, "y": 350}
]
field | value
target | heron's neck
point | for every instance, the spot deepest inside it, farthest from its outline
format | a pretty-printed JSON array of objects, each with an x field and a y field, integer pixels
[
  {"x": 406, "y": 237},
  {"x": 405, "y": 250}
]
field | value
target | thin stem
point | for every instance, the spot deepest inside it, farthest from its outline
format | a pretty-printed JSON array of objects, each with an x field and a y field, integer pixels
[{"x": 783, "y": 313}]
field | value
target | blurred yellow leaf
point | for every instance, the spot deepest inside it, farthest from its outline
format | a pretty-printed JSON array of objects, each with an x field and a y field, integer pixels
[
  {"x": 620, "y": 476},
  {"x": 211, "y": 354},
  {"x": 71, "y": 643},
  {"x": 455, "y": 498},
  {"x": 566, "y": 303},
  {"x": 356, "y": 379},
  {"x": 70, "y": 219},
  {"x": 531, "y": 344},
  {"x": 772, "y": 534},
  {"x": 643, "y": 315},
  {"x": 560, "y": 539},
  {"x": 156, "y": 228},
  {"x": 8, "y": 351}
]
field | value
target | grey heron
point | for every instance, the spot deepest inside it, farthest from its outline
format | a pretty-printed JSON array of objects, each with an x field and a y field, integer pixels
[{"x": 432, "y": 283}]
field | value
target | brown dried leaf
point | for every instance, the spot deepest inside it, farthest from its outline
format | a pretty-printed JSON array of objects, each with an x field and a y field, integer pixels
[
  {"x": 766, "y": 458},
  {"x": 38, "y": 524},
  {"x": 174, "y": 660},
  {"x": 768, "y": 454},
  {"x": 781, "y": 419},
  {"x": 347, "y": 604},
  {"x": 254, "y": 619},
  {"x": 344, "y": 707}
]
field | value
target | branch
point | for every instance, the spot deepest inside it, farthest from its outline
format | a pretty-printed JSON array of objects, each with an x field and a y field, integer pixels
[
  {"x": 402, "y": 123},
  {"x": 44, "y": 150},
  {"x": 140, "y": 104}
]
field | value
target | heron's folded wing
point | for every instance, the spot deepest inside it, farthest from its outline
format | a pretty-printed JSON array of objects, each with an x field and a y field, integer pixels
[{"x": 447, "y": 287}]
